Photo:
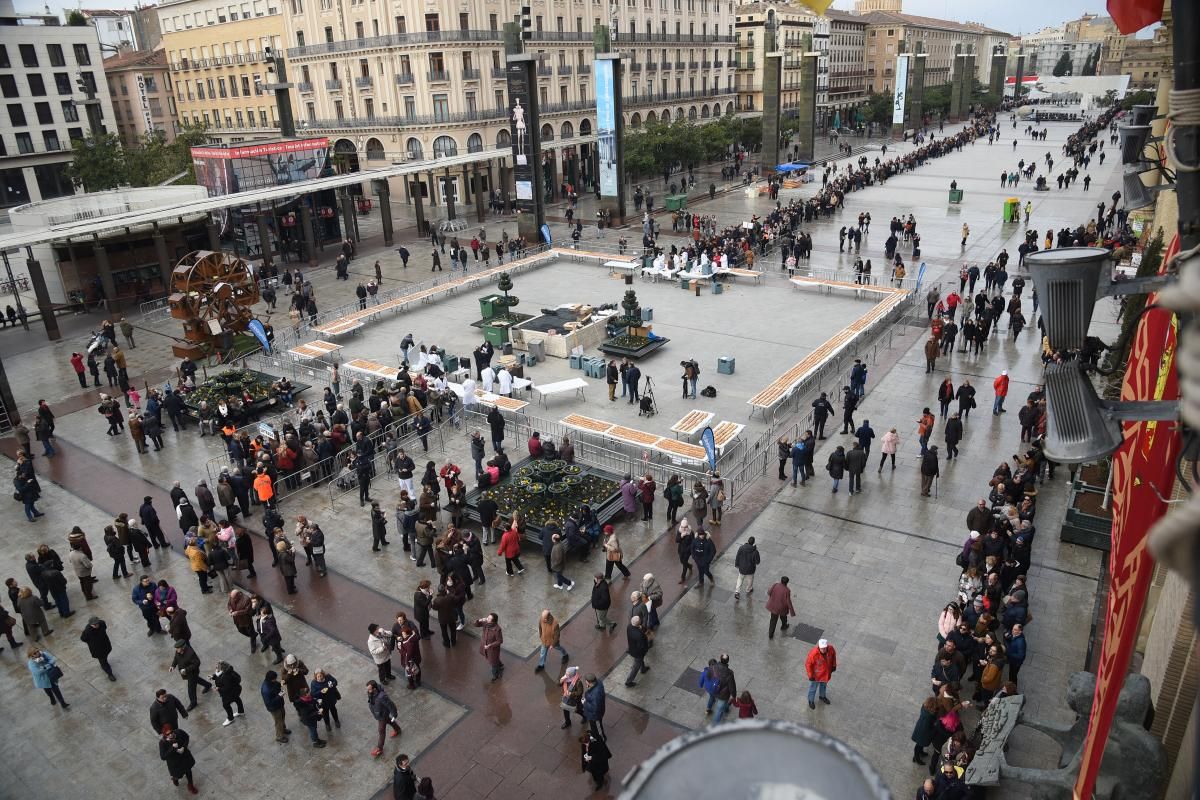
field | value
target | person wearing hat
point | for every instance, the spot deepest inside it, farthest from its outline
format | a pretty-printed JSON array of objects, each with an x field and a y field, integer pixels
[
  {"x": 187, "y": 663},
  {"x": 820, "y": 666},
  {"x": 612, "y": 554},
  {"x": 1000, "y": 386}
]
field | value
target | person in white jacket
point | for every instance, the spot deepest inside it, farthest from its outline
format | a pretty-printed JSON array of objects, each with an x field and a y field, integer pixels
[
  {"x": 379, "y": 645},
  {"x": 505, "y": 379}
]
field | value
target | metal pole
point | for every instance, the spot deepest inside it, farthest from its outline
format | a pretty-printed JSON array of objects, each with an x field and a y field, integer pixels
[{"x": 21, "y": 315}]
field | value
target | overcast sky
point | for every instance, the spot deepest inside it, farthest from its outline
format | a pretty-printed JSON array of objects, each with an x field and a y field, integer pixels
[{"x": 1011, "y": 16}]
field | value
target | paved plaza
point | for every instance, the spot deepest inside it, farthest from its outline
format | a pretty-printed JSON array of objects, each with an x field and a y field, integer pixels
[{"x": 869, "y": 572}]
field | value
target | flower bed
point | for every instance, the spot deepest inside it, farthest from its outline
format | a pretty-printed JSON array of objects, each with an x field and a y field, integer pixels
[{"x": 545, "y": 491}]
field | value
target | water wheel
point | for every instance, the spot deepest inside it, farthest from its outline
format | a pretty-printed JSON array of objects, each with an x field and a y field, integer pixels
[{"x": 211, "y": 294}]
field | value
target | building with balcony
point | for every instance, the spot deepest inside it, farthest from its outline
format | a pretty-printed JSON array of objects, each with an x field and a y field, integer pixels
[
  {"x": 139, "y": 85},
  {"x": 795, "y": 34},
  {"x": 51, "y": 83},
  {"x": 114, "y": 27},
  {"x": 419, "y": 86},
  {"x": 890, "y": 33},
  {"x": 847, "y": 88},
  {"x": 216, "y": 55}
]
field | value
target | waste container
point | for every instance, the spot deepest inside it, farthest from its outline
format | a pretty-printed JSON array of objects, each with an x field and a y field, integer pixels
[
  {"x": 496, "y": 334},
  {"x": 676, "y": 202},
  {"x": 725, "y": 365},
  {"x": 537, "y": 349},
  {"x": 575, "y": 360},
  {"x": 647, "y": 314},
  {"x": 488, "y": 307},
  {"x": 718, "y": 287},
  {"x": 451, "y": 363},
  {"x": 956, "y": 195},
  {"x": 685, "y": 284}
]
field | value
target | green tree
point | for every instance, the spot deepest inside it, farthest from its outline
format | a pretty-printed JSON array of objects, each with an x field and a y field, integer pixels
[
  {"x": 1090, "y": 67},
  {"x": 879, "y": 109},
  {"x": 76, "y": 19},
  {"x": 1063, "y": 67},
  {"x": 1145, "y": 97},
  {"x": 98, "y": 163}
]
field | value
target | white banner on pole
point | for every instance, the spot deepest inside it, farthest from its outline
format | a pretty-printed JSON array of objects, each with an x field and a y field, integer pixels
[{"x": 901, "y": 89}]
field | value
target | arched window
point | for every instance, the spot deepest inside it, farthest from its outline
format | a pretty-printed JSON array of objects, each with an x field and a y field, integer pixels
[
  {"x": 704, "y": 111},
  {"x": 503, "y": 138},
  {"x": 414, "y": 150},
  {"x": 651, "y": 117},
  {"x": 728, "y": 109},
  {"x": 375, "y": 150},
  {"x": 444, "y": 146},
  {"x": 678, "y": 114},
  {"x": 474, "y": 143},
  {"x": 585, "y": 127},
  {"x": 567, "y": 131},
  {"x": 692, "y": 113},
  {"x": 635, "y": 121},
  {"x": 547, "y": 133}
]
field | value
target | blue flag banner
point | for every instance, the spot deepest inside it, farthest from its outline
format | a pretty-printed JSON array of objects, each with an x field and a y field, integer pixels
[
  {"x": 920, "y": 277},
  {"x": 709, "y": 442},
  {"x": 546, "y": 234},
  {"x": 260, "y": 333}
]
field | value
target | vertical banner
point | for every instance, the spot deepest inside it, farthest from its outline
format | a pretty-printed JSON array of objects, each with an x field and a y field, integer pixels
[
  {"x": 1143, "y": 470},
  {"x": 708, "y": 441},
  {"x": 901, "y": 89},
  {"x": 606, "y": 127},
  {"x": 526, "y": 147},
  {"x": 144, "y": 102}
]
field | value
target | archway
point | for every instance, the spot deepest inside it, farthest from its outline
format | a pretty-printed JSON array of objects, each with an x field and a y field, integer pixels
[
  {"x": 345, "y": 156},
  {"x": 635, "y": 120},
  {"x": 666, "y": 116},
  {"x": 444, "y": 146},
  {"x": 567, "y": 131},
  {"x": 503, "y": 138},
  {"x": 704, "y": 112},
  {"x": 414, "y": 149},
  {"x": 728, "y": 109},
  {"x": 585, "y": 127},
  {"x": 547, "y": 133},
  {"x": 692, "y": 113},
  {"x": 375, "y": 150},
  {"x": 474, "y": 143},
  {"x": 678, "y": 114},
  {"x": 651, "y": 117}
]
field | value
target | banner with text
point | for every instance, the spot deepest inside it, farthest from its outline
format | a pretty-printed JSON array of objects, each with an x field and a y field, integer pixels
[{"x": 901, "y": 89}]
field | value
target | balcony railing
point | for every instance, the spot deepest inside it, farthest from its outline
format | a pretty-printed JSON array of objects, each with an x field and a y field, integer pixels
[
  {"x": 184, "y": 65},
  {"x": 663, "y": 97},
  {"x": 682, "y": 38},
  {"x": 584, "y": 69},
  {"x": 333, "y": 85},
  {"x": 398, "y": 121},
  {"x": 561, "y": 36},
  {"x": 570, "y": 106},
  {"x": 396, "y": 40},
  {"x": 635, "y": 68},
  {"x": 652, "y": 66},
  {"x": 564, "y": 69},
  {"x": 678, "y": 65},
  {"x": 304, "y": 87},
  {"x": 718, "y": 64},
  {"x": 693, "y": 65},
  {"x": 404, "y": 79},
  {"x": 666, "y": 65},
  {"x": 706, "y": 64},
  {"x": 470, "y": 74},
  {"x": 436, "y": 75},
  {"x": 544, "y": 72},
  {"x": 498, "y": 72},
  {"x": 364, "y": 82}
]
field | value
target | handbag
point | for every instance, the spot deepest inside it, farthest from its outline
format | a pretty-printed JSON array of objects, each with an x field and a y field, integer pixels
[
  {"x": 55, "y": 673},
  {"x": 412, "y": 669},
  {"x": 568, "y": 705}
]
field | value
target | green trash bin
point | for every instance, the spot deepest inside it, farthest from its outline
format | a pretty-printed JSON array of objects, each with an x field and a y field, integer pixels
[
  {"x": 676, "y": 202},
  {"x": 487, "y": 306},
  {"x": 1012, "y": 210},
  {"x": 496, "y": 334},
  {"x": 956, "y": 195}
]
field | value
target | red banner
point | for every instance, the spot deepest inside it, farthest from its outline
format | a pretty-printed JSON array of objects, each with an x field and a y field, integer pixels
[
  {"x": 1131, "y": 16},
  {"x": 1143, "y": 468}
]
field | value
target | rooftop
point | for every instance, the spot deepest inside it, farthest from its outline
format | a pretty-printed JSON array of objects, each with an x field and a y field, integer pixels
[
  {"x": 136, "y": 58},
  {"x": 894, "y": 17}
]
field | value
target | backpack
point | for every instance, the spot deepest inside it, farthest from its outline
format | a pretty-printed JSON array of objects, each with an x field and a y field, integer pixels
[{"x": 708, "y": 391}]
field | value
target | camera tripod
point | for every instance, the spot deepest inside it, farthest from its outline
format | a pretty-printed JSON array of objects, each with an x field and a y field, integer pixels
[{"x": 647, "y": 406}]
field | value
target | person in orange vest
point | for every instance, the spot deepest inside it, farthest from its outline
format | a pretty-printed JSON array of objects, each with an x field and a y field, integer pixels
[
  {"x": 264, "y": 488},
  {"x": 1000, "y": 385},
  {"x": 820, "y": 666}
]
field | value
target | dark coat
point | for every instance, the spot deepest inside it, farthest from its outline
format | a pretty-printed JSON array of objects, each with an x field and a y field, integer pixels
[
  {"x": 703, "y": 551},
  {"x": 229, "y": 685},
  {"x": 178, "y": 757},
  {"x": 747, "y": 559},
  {"x": 922, "y": 734},
  {"x": 601, "y": 596},
  {"x": 856, "y": 461},
  {"x": 96, "y": 638},
  {"x": 639, "y": 645},
  {"x": 836, "y": 466},
  {"x": 167, "y": 713}
]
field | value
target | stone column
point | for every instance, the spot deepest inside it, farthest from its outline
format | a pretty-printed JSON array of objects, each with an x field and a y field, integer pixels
[
  {"x": 214, "y": 236},
  {"x": 957, "y": 65},
  {"x": 917, "y": 92},
  {"x": 43, "y": 296},
  {"x": 772, "y": 80},
  {"x": 264, "y": 238},
  {"x": 310, "y": 238},
  {"x": 384, "y": 194},
  {"x": 165, "y": 267},
  {"x": 418, "y": 206},
  {"x": 451, "y": 212},
  {"x": 806, "y": 114},
  {"x": 550, "y": 174},
  {"x": 347, "y": 212},
  {"x": 996, "y": 82},
  {"x": 477, "y": 188},
  {"x": 100, "y": 253},
  {"x": 433, "y": 190}
]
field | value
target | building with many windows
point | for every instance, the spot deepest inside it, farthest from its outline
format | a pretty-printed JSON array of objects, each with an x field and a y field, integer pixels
[
  {"x": 50, "y": 86},
  {"x": 417, "y": 83},
  {"x": 890, "y": 33},
  {"x": 114, "y": 27},
  {"x": 141, "y": 91},
  {"x": 847, "y": 64},
  {"x": 795, "y": 34},
  {"x": 216, "y": 54}
]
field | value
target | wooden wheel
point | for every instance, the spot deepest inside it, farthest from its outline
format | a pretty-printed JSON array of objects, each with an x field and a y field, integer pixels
[{"x": 212, "y": 294}]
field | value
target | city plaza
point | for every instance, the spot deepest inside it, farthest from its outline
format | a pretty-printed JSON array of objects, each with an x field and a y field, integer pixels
[{"x": 868, "y": 572}]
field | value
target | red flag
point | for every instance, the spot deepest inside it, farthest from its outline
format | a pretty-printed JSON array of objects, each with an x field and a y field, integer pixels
[{"x": 1133, "y": 15}]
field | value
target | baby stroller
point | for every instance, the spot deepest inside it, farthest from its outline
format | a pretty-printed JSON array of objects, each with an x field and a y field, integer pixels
[
  {"x": 646, "y": 406},
  {"x": 347, "y": 479}
]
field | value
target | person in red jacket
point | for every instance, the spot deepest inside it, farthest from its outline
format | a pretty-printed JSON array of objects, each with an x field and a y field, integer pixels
[
  {"x": 77, "y": 365},
  {"x": 510, "y": 548},
  {"x": 779, "y": 603},
  {"x": 820, "y": 666},
  {"x": 1000, "y": 385}
]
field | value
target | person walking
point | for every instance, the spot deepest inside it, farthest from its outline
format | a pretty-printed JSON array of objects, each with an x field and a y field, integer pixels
[
  {"x": 492, "y": 636},
  {"x": 612, "y": 554},
  {"x": 241, "y": 612},
  {"x": 268, "y": 632},
  {"x": 199, "y": 562},
  {"x": 46, "y": 674},
  {"x": 404, "y": 780},
  {"x": 703, "y": 553},
  {"x": 116, "y": 551},
  {"x": 746, "y": 561},
  {"x": 510, "y": 548},
  {"x": 95, "y": 636},
  {"x": 684, "y": 539},
  {"x": 166, "y": 710},
  {"x": 409, "y": 647},
  {"x": 173, "y": 749},
  {"x": 82, "y": 566},
  {"x": 929, "y": 470},
  {"x": 954, "y": 434},
  {"x": 888, "y": 446},
  {"x": 187, "y": 664},
  {"x": 856, "y": 463},
  {"x": 726, "y": 688},
  {"x": 836, "y": 466},
  {"x": 324, "y": 689},
  {"x": 143, "y": 597},
  {"x": 549, "y": 633},
  {"x": 271, "y": 691},
  {"x": 933, "y": 349},
  {"x": 229, "y": 689},
  {"x": 309, "y": 712},
  {"x": 1000, "y": 386},
  {"x": 384, "y": 711},
  {"x": 287, "y": 564},
  {"x": 779, "y": 605},
  {"x": 820, "y": 665},
  {"x": 558, "y": 562},
  {"x": 593, "y": 705},
  {"x": 638, "y": 647},
  {"x": 601, "y": 603},
  {"x": 595, "y": 757},
  {"x": 447, "y": 616}
]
